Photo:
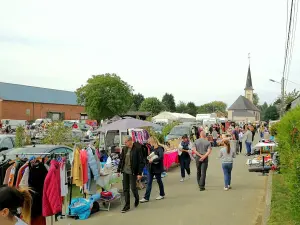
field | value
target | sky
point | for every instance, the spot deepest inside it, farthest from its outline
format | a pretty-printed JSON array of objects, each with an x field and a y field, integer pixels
[{"x": 196, "y": 50}]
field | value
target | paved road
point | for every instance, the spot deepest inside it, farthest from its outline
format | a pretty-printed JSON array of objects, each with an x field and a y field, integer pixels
[{"x": 185, "y": 204}]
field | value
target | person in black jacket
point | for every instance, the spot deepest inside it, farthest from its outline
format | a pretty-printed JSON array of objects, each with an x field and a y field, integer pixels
[
  {"x": 156, "y": 167},
  {"x": 131, "y": 165}
]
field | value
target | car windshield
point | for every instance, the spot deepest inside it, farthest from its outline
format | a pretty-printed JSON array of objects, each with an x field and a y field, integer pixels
[{"x": 179, "y": 130}]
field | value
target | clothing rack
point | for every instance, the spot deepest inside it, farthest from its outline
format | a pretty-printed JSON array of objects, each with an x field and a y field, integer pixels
[{"x": 46, "y": 153}]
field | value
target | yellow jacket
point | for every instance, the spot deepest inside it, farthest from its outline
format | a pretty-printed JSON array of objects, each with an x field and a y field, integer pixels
[{"x": 77, "y": 169}]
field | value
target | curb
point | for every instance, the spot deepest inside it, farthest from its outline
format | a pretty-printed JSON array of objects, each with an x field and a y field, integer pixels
[{"x": 267, "y": 210}]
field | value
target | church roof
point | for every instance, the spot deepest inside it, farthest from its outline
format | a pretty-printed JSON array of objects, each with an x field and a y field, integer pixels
[
  {"x": 249, "y": 80},
  {"x": 243, "y": 103}
]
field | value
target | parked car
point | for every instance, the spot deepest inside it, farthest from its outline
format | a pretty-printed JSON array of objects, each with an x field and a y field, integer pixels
[
  {"x": 179, "y": 131},
  {"x": 12, "y": 124},
  {"x": 7, "y": 141},
  {"x": 34, "y": 149}
]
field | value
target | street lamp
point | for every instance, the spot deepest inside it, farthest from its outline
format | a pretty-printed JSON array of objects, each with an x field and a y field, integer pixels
[{"x": 282, "y": 92}]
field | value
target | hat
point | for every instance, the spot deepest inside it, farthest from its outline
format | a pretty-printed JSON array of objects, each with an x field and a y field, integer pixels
[{"x": 184, "y": 136}]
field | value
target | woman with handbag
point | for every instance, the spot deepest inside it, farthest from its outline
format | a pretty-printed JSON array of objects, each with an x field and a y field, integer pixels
[{"x": 156, "y": 168}]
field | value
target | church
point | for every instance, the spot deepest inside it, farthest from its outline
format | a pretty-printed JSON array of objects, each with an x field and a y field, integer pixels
[{"x": 243, "y": 109}]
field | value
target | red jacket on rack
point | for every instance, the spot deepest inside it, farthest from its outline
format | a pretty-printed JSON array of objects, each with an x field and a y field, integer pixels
[{"x": 52, "y": 201}]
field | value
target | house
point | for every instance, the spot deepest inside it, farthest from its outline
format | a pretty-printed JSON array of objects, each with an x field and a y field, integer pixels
[
  {"x": 21, "y": 102},
  {"x": 137, "y": 115},
  {"x": 243, "y": 109}
]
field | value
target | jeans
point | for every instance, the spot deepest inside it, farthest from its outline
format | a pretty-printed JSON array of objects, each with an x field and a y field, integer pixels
[
  {"x": 241, "y": 146},
  {"x": 185, "y": 165},
  {"x": 149, "y": 185},
  {"x": 130, "y": 180},
  {"x": 215, "y": 143},
  {"x": 248, "y": 147},
  {"x": 201, "y": 172},
  {"x": 227, "y": 168}
]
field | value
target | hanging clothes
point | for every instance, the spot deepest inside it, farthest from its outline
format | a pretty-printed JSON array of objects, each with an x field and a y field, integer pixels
[
  {"x": 63, "y": 179},
  {"x": 83, "y": 160},
  {"x": 20, "y": 174},
  {"x": 77, "y": 169},
  {"x": 52, "y": 203},
  {"x": 7, "y": 173},
  {"x": 93, "y": 167},
  {"x": 24, "y": 181},
  {"x": 37, "y": 175}
]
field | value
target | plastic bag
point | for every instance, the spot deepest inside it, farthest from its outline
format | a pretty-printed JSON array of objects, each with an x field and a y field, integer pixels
[{"x": 80, "y": 207}]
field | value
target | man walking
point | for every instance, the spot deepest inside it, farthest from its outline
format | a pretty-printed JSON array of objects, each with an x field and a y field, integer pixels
[
  {"x": 202, "y": 149},
  {"x": 131, "y": 165},
  {"x": 184, "y": 157}
]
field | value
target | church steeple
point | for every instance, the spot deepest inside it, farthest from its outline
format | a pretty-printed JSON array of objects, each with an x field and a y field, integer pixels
[{"x": 249, "y": 88}]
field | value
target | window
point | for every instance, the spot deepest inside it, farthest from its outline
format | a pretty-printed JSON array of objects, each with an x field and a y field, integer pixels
[
  {"x": 7, "y": 143},
  {"x": 59, "y": 150}
]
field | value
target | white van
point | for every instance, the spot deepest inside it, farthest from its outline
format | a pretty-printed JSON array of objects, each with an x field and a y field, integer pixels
[{"x": 13, "y": 124}]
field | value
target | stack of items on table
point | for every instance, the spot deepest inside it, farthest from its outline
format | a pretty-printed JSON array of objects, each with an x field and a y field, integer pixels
[
  {"x": 264, "y": 163},
  {"x": 46, "y": 178}
]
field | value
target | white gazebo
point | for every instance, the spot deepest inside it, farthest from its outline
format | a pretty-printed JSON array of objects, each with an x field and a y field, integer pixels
[{"x": 171, "y": 117}]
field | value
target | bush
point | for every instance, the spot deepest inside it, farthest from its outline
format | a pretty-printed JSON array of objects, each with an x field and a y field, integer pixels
[
  {"x": 57, "y": 134},
  {"x": 20, "y": 137},
  {"x": 274, "y": 129},
  {"x": 159, "y": 136},
  {"x": 289, "y": 148}
]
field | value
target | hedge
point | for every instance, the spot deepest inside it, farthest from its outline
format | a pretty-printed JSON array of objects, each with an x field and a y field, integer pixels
[{"x": 288, "y": 137}]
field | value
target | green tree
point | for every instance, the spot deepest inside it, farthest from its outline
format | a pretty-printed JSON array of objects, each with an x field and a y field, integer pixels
[
  {"x": 288, "y": 97},
  {"x": 20, "y": 137},
  {"x": 263, "y": 109},
  {"x": 213, "y": 107},
  {"x": 181, "y": 107},
  {"x": 152, "y": 105},
  {"x": 255, "y": 99},
  {"x": 104, "y": 96},
  {"x": 169, "y": 102},
  {"x": 191, "y": 108},
  {"x": 137, "y": 101},
  {"x": 271, "y": 113}
]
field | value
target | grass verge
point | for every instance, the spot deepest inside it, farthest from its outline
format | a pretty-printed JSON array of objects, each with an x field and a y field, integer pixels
[{"x": 280, "y": 211}]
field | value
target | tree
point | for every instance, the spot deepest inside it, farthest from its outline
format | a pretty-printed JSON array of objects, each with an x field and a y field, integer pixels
[
  {"x": 137, "y": 101},
  {"x": 105, "y": 96},
  {"x": 58, "y": 134},
  {"x": 213, "y": 107},
  {"x": 169, "y": 102},
  {"x": 263, "y": 109},
  {"x": 191, "y": 108},
  {"x": 152, "y": 105},
  {"x": 288, "y": 97},
  {"x": 271, "y": 113},
  {"x": 181, "y": 107},
  {"x": 255, "y": 99}
]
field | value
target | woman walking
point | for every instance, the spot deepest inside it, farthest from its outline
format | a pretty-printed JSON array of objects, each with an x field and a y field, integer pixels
[
  {"x": 156, "y": 167},
  {"x": 227, "y": 155},
  {"x": 241, "y": 136}
]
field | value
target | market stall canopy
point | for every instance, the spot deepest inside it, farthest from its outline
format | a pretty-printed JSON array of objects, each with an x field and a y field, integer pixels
[
  {"x": 125, "y": 124},
  {"x": 181, "y": 117}
]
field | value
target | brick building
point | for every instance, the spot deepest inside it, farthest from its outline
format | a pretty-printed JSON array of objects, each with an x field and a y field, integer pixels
[{"x": 29, "y": 103}]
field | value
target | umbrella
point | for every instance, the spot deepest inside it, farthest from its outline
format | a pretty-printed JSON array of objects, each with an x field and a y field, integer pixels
[{"x": 125, "y": 124}]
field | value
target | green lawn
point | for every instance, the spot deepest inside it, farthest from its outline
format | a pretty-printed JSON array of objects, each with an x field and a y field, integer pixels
[{"x": 280, "y": 211}]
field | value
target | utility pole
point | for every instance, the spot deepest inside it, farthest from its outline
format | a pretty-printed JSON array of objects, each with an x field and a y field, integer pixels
[{"x": 282, "y": 97}]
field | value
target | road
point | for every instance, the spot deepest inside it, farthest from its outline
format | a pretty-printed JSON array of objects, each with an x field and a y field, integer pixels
[{"x": 185, "y": 204}]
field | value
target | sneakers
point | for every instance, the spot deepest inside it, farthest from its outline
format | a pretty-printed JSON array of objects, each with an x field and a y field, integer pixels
[
  {"x": 182, "y": 179},
  {"x": 143, "y": 200},
  {"x": 229, "y": 187},
  {"x": 136, "y": 203},
  {"x": 202, "y": 189},
  {"x": 125, "y": 209},
  {"x": 226, "y": 189},
  {"x": 160, "y": 197}
]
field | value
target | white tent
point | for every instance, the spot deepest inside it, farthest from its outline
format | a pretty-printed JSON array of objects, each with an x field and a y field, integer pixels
[{"x": 180, "y": 117}]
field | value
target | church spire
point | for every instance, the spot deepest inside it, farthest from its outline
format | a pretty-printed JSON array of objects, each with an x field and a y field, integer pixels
[{"x": 249, "y": 79}]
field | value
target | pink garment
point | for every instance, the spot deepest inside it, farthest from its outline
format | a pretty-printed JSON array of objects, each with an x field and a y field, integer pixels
[
  {"x": 52, "y": 203},
  {"x": 170, "y": 158},
  {"x": 83, "y": 159},
  {"x": 133, "y": 136}
]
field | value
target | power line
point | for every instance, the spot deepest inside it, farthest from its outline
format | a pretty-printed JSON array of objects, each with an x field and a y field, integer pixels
[
  {"x": 288, "y": 39},
  {"x": 294, "y": 27}
]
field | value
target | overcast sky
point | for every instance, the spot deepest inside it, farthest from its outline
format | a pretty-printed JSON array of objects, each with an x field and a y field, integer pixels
[{"x": 196, "y": 50}]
